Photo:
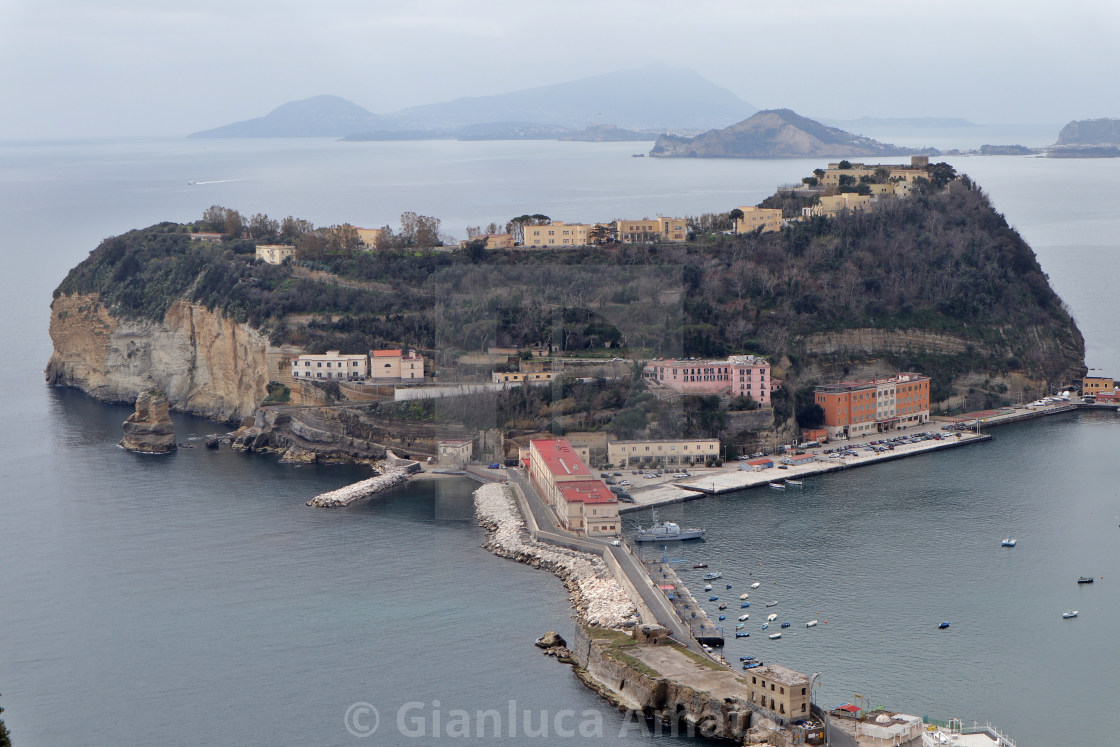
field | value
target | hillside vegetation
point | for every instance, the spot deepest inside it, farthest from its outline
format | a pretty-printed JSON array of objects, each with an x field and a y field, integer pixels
[{"x": 941, "y": 263}]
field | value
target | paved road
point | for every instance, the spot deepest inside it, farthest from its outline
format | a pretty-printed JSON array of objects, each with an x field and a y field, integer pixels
[{"x": 653, "y": 597}]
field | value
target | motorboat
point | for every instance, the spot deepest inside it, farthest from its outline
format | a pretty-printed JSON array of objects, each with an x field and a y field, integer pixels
[
  {"x": 699, "y": 565},
  {"x": 666, "y": 531},
  {"x": 729, "y": 586},
  {"x": 775, "y": 636},
  {"x": 744, "y": 605},
  {"x": 740, "y": 626},
  {"x": 756, "y": 584},
  {"x": 811, "y": 624},
  {"x": 772, "y": 617},
  {"x": 1069, "y": 613},
  {"x": 744, "y": 595},
  {"x": 1008, "y": 542},
  {"x": 722, "y": 605},
  {"x": 1085, "y": 580},
  {"x": 765, "y": 626},
  {"x": 708, "y": 587},
  {"x": 773, "y": 603},
  {"x": 752, "y": 664},
  {"x": 723, "y": 617},
  {"x": 943, "y": 625},
  {"x": 795, "y": 483},
  {"x": 743, "y": 618},
  {"x": 742, "y": 635},
  {"x": 712, "y": 575},
  {"x": 786, "y": 624},
  {"x": 777, "y": 486},
  {"x": 746, "y": 658},
  {"x": 713, "y": 599}
]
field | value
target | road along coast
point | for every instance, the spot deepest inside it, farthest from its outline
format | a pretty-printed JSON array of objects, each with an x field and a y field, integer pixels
[{"x": 597, "y": 596}]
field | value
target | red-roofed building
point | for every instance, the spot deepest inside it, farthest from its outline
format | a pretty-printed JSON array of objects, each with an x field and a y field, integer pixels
[
  {"x": 583, "y": 503},
  {"x": 757, "y": 465}
]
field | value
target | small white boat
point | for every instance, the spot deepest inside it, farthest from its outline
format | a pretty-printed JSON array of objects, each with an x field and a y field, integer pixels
[
  {"x": 772, "y": 604},
  {"x": 744, "y": 617},
  {"x": 740, "y": 626},
  {"x": 772, "y": 617},
  {"x": 777, "y": 486},
  {"x": 811, "y": 624},
  {"x": 775, "y": 636},
  {"x": 1008, "y": 542},
  {"x": 744, "y": 595},
  {"x": 1069, "y": 613},
  {"x": 708, "y": 587},
  {"x": 756, "y": 584},
  {"x": 795, "y": 483}
]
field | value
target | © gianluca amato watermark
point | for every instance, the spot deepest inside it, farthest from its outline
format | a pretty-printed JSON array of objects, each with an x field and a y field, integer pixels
[{"x": 431, "y": 720}]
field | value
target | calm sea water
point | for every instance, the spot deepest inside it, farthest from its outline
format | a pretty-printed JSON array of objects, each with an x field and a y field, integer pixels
[{"x": 195, "y": 599}]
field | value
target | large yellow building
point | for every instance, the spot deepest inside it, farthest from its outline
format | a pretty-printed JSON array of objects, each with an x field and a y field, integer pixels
[
  {"x": 833, "y": 204},
  {"x": 651, "y": 229},
  {"x": 556, "y": 234},
  {"x": 370, "y": 237},
  {"x": 667, "y": 453},
  {"x": 1091, "y": 386},
  {"x": 894, "y": 172},
  {"x": 754, "y": 218}
]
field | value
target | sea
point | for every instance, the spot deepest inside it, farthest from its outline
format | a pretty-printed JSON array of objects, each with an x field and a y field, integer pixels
[{"x": 195, "y": 599}]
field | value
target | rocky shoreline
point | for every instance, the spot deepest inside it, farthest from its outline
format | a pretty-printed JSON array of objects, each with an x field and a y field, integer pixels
[{"x": 597, "y": 597}]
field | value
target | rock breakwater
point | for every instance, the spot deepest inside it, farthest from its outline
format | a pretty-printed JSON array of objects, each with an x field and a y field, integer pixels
[
  {"x": 390, "y": 475},
  {"x": 597, "y": 596}
]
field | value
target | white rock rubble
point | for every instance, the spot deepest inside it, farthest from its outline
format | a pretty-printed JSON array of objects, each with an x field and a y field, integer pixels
[{"x": 597, "y": 596}]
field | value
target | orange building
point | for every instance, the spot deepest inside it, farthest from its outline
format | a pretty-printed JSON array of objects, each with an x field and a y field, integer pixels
[
  {"x": 1092, "y": 386},
  {"x": 858, "y": 408}
]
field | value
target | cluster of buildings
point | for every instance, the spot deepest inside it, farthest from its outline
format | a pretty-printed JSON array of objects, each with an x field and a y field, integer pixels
[
  {"x": 1099, "y": 389},
  {"x": 882, "y": 180},
  {"x": 859, "y": 408},
  {"x": 739, "y": 375},
  {"x": 378, "y": 366},
  {"x": 583, "y": 503}
]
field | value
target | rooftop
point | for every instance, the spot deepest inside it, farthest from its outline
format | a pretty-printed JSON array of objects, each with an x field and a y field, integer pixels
[
  {"x": 587, "y": 491},
  {"x": 560, "y": 458},
  {"x": 782, "y": 675}
]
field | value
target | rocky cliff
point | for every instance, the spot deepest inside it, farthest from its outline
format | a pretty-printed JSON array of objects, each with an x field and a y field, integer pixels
[{"x": 207, "y": 364}]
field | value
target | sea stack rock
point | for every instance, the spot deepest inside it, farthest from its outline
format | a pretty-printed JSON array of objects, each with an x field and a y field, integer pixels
[{"x": 149, "y": 430}]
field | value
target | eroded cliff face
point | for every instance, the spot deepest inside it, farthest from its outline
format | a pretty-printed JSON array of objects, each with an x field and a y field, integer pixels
[{"x": 208, "y": 365}]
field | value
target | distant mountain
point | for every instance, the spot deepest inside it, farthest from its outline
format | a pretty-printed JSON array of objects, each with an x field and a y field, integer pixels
[
  {"x": 654, "y": 97},
  {"x": 776, "y": 133},
  {"x": 318, "y": 116},
  {"x": 1090, "y": 132}
]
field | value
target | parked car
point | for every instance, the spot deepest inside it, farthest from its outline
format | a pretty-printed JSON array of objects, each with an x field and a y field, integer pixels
[{"x": 494, "y": 465}]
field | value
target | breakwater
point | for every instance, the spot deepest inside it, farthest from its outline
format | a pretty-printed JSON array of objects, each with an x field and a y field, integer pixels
[
  {"x": 344, "y": 496},
  {"x": 597, "y": 596}
]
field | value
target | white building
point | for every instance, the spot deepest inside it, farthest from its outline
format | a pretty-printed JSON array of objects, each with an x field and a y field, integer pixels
[
  {"x": 330, "y": 365},
  {"x": 274, "y": 254}
]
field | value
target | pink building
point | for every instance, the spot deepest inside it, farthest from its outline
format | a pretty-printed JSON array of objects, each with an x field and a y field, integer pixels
[{"x": 746, "y": 375}]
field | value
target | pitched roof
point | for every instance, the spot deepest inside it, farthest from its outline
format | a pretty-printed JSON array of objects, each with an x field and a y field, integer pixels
[{"x": 587, "y": 491}]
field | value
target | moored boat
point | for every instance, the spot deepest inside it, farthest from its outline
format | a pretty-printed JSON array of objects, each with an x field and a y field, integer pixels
[
  {"x": 707, "y": 587},
  {"x": 786, "y": 624},
  {"x": 775, "y": 636},
  {"x": 744, "y": 605},
  {"x": 773, "y": 603},
  {"x": 772, "y": 617},
  {"x": 699, "y": 565},
  {"x": 811, "y": 624},
  {"x": 742, "y": 635},
  {"x": 740, "y": 626},
  {"x": 713, "y": 599},
  {"x": 667, "y": 531},
  {"x": 795, "y": 483},
  {"x": 722, "y": 605},
  {"x": 1069, "y": 613},
  {"x": 723, "y": 617},
  {"x": 1085, "y": 580},
  {"x": 744, "y": 595},
  {"x": 744, "y": 617},
  {"x": 756, "y": 584},
  {"x": 943, "y": 625},
  {"x": 1008, "y": 542},
  {"x": 777, "y": 486},
  {"x": 712, "y": 575}
]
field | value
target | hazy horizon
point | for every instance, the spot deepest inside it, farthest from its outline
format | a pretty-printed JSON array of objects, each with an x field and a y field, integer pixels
[{"x": 127, "y": 68}]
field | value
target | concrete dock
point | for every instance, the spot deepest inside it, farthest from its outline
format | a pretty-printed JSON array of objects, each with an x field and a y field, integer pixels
[
  {"x": 729, "y": 478},
  {"x": 687, "y": 608}
]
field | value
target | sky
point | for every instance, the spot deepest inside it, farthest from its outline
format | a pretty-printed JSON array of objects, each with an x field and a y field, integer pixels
[{"x": 115, "y": 68}]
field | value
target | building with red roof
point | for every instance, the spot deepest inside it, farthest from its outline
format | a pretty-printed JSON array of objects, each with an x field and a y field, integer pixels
[
  {"x": 392, "y": 366},
  {"x": 582, "y": 503}
]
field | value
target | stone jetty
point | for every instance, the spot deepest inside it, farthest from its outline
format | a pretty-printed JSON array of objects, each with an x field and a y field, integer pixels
[
  {"x": 596, "y": 594},
  {"x": 391, "y": 474}
]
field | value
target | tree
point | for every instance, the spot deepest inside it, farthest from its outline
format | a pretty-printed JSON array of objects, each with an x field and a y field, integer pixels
[
  {"x": 292, "y": 228},
  {"x": 600, "y": 233},
  {"x": 734, "y": 217},
  {"x": 940, "y": 174},
  {"x": 476, "y": 249},
  {"x": 819, "y": 173},
  {"x": 473, "y": 232},
  {"x": 844, "y": 165},
  {"x": 223, "y": 220},
  {"x": 810, "y": 416},
  {"x": 846, "y": 180},
  {"x": 5, "y": 735},
  {"x": 263, "y": 227},
  {"x": 810, "y": 181}
]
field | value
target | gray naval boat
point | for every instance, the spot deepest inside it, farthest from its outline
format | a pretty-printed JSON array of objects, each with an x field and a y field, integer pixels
[{"x": 665, "y": 531}]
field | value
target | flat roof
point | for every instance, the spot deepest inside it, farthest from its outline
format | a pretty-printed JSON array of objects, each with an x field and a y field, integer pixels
[
  {"x": 560, "y": 458},
  {"x": 669, "y": 441},
  {"x": 385, "y": 353},
  {"x": 782, "y": 675},
  {"x": 587, "y": 491}
]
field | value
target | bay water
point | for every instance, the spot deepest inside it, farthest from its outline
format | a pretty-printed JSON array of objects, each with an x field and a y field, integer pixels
[{"x": 194, "y": 598}]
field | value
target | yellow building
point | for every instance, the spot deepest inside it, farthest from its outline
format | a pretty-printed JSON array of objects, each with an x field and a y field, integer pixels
[
  {"x": 780, "y": 690},
  {"x": 556, "y": 234},
  {"x": 582, "y": 503},
  {"x": 370, "y": 237},
  {"x": 651, "y": 229},
  {"x": 493, "y": 241},
  {"x": 894, "y": 172},
  {"x": 274, "y": 254},
  {"x": 519, "y": 377},
  {"x": 391, "y": 366},
  {"x": 754, "y": 218},
  {"x": 666, "y": 453},
  {"x": 832, "y": 204},
  {"x": 1091, "y": 386}
]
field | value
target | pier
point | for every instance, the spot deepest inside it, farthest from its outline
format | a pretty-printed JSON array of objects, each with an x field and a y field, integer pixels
[{"x": 662, "y": 573}]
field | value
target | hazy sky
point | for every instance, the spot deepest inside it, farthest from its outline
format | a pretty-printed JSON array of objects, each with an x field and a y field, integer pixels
[{"x": 76, "y": 68}]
